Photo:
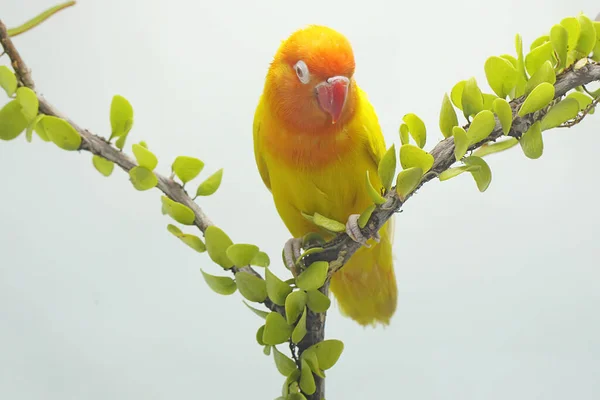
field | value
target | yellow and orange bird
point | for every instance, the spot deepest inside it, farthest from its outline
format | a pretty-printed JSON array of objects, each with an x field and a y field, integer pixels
[{"x": 315, "y": 136}]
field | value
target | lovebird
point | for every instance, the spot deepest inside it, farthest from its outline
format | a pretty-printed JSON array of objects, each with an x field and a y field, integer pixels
[{"x": 315, "y": 136}]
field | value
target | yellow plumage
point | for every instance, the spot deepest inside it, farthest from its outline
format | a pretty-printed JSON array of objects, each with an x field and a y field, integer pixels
[{"x": 316, "y": 167}]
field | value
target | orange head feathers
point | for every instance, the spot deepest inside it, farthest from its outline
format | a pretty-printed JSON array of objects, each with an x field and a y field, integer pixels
[{"x": 310, "y": 83}]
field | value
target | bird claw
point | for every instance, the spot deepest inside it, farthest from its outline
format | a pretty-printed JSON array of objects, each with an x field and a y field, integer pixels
[
  {"x": 353, "y": 230},
  {"x": 291, "y": 253}
]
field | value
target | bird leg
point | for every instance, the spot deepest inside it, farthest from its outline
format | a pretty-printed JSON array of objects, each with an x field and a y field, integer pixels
[
  {"x": 353, "y": 230},
  {"x": 291, "y": 253}
]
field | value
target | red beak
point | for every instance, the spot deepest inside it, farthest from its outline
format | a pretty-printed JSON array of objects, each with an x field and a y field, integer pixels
[{"x": 332, "y": 94}]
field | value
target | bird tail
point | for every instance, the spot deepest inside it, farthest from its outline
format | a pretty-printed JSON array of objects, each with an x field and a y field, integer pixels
[{"x": 365, "y": 287}]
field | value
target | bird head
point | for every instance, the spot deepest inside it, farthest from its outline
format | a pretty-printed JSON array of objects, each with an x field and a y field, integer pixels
[{"x": 310, "y": 81}]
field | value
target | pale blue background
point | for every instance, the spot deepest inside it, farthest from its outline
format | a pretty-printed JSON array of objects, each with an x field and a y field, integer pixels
[{"x": 499, "y": 292}]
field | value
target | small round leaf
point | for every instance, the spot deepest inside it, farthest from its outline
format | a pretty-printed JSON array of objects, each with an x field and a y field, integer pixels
[
  {"x": 187, "y": 168},
  {"x": 284, "y": 364},
  {"x": 179, "y": 212},
  {"x": 211, "y": 184},
  {"x": 300, "y": 329},
  {"x": 317, "y": 302},
  {"x": 241, "y": 254},
  {"x": 12, "y": 121},
  {"x": 251, "y": 287},
  {"x": 8, "y": 80},
  {"x": 121, "y": 116},
  {"x": 412, "y": 156},
  {"x": 416, "y": 128},
  {"x": 294, "y": 305},
  {"x": 217, "y": 243},
  {"x": 448, "y": 118},
  {"x": 483, "y": 175},
  {"x": 314, "y": 276},
  {"x": 461, "y": 142},
  {"x": 504, "y": 113},
  {"x": 142, "y": 178},
  {"x": 483, "y": 124},
  {"x": 102, "y": 165},
  {"x": 560, "y": 113},
  {"x": 61, "y": 133},
  {"x": 539, "y": 98},
  {"x": 387, "y": 167},
  {"x": 220, "y": 284},
  {"x": 277, "y": 330},
  {"x": 407, "y": 180},
  {"x": 144, "y": 157},
  {"x": 29, "y": 102},
  {"x": 531, "y": 141},
  {"x": 277, "y": 290}
]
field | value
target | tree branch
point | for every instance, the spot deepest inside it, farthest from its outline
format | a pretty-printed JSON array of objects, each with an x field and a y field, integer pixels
[
  {"x": 339, "y": 250},
  {"x": 101, "y": 147}
]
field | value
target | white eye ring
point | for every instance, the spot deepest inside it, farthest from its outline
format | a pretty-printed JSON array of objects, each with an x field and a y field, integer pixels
[{"x": 302, "y": 72}]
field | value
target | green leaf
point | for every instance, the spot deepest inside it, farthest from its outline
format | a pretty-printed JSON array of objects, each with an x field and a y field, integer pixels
[
  {"x": 12, "y": 121},
  {"x": 312, "y": 239},
  {"x": 587, "y": 36},
  {"x": 284, "y": 364},
  {"x": 260, "y": 313},
  {"x": 490, "y": 148},
  {"x": 29, "y": 102},
  {"x": 504, "y": 113},
  {"x": 8, "y": 80},
  {"x": 120, "y": 143},
  {"x": 488, "y": 100},
  {"x": 313, "y": 362},
  {"x": 259, "y": 334},
  {"x": 307, "y": 380},
  {"x": 537, "y": 57},
  {"x": 174, "y": 230},
  {"x": 453, "y": 172},
  {"x": 277, "y": 330},
  {"x": 456, "y": 94},
  {"x": 539, "y": 41},
  {"x": 300, "y": 329},
  {"x": 251, "y": 287},
  {"x": 544, "y": 74},
  {"x": 412, "y": 156},
  {"x": 560, "y": 113},
  {"x": 328, "y": 352},
  {"x": 211, "y": 184},
  {"x": 317, "y": 302},
  {"x": 277, "y": 290},
  {"x": 294, "y": 305},
  {"x": 416, "y": 128},
  {"x": 142, "y": 178},
  {"x": 241, "y": 254},
  {"x": 295, "y": 396},
  {"x": 510, "y": 59},
  {"x": 39, "y": 129},
  {"x": 291, "y": 385},
  {"x": 583, "y": 99},
  {"x": 404, "y": 133},
  {"x": 571, "y": 24},
  {"x": 217, "y": 243},
  {"x": 329, "y": 224},
  {"x": 539, "y": 98},
  {"x": 143, "y": 144},
  {"x": 177, "y": 211},
  {"x": 261, "y": 259},
  {"x": 32, "y": 126},
  {"x": 121, "y": 116},
  {"x": 194, "y": 242},
  {"x": 501, "y": 75},
  {"x": 144, "y": 157},
  {"x": 220, "y": 284},
  {"x": 102, "y": 165},
  {"x": 38, "y": 19},
  {"x": 374, "y": 193},
  {"x": 472, "y": 99},
  {"x": 61, "y": 133},
  {"x": 365, "y": 215},
  {"x": 407, "y": 180},
  {"x": 483, "y": 175},
  {"x": 521, "y": 76},
  {"x": 461, "y": 142},
  {"x": 267, "y": 350},
  {"x": 314, "y": 276},
  {"x": 448, "y": 118},
  {"x": 483, "y": 124},
  {"x": 187, "y": 168},
  {"x": 531, "y": 141},
  {"x": 387, "y": 167},
  {"x": 559, "y": 38}
]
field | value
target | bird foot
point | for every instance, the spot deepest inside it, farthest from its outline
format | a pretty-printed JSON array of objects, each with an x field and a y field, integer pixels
[
  {"x": 291, "y": 253},
  {"x": 353, "y": 230}
]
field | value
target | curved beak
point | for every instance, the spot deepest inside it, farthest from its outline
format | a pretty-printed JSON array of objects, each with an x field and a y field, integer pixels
[{"x": 332, "y": 94}]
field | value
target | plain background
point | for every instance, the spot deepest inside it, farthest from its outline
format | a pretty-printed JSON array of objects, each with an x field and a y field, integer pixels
[{"x": 498, "y": 292}]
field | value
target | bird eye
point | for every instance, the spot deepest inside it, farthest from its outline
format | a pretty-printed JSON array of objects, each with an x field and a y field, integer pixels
[{"x": 302, "y": 71}]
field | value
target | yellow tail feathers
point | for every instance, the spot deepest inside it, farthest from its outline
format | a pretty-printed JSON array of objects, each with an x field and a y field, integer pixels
[{"x": 365, "y": 287}]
